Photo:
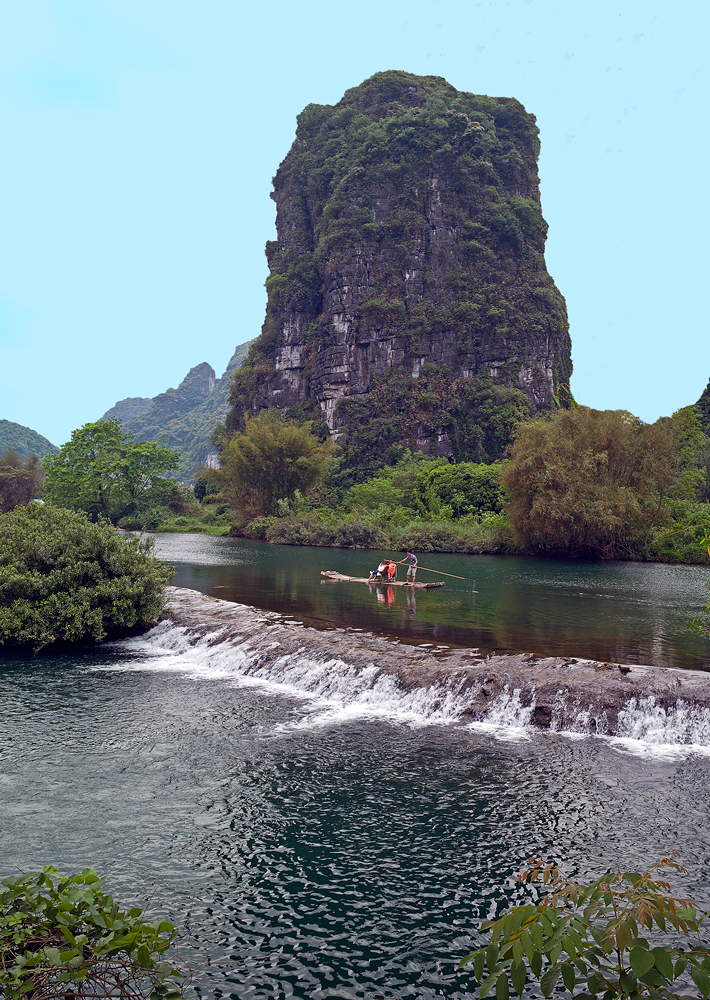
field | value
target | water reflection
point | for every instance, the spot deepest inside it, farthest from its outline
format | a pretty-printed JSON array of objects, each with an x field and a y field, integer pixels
[{"x": 623, "y": 612}]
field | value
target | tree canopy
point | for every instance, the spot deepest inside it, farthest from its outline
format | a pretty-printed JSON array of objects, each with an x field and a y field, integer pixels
[
  {"x": 66, "y": 579},
  {"x": 103, "y": 471},
  {"x": 20, "y": 481},
  {"x": 596, "y": 483},
  {"x": 268, "y": 461}
]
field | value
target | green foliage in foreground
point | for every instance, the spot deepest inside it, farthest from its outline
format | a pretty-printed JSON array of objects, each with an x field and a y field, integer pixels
[
  {"x": 62, "y": 936},
  {"x": 66, "y": 579},
  {"x": 592, "y": 937}
]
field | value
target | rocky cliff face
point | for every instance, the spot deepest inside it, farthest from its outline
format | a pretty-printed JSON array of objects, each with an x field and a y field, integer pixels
[{"x": 409, "y": 234}]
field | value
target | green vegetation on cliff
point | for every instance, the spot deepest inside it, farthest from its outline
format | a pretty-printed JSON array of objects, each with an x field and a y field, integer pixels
[
  {"x": 184, "y": 418},
  {"x": 703, "y": 408},
  {"x": 404, "y": 413}
]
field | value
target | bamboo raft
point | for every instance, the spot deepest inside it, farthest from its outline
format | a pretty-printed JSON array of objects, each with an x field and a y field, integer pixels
[{"x": 330, "y": 574}]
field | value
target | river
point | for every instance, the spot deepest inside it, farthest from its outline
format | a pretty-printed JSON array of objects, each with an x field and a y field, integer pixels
[
  {"x": 315, "y": 853},
  {"x": 615, "y": 611}
]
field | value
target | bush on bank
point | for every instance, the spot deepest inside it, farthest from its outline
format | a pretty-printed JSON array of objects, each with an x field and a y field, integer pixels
[
  {"x": 66, "y": 579},
  {"x": 490, "y": 534}
]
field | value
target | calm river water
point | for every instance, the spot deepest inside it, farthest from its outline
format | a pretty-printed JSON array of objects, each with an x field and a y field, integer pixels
[
  {"x": 613, "y": 611},
  {"x": 316, "y": 854}
]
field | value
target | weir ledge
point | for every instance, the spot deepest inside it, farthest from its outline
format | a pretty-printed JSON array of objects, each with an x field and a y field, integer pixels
[{"x": 561, "y": 692}]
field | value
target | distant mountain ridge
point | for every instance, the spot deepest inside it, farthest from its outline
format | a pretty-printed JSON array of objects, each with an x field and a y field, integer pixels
[
  {"x": 184, "y": 417},
  {"x": 24, "y": 440},
  {"x": 128, "y": 409}
]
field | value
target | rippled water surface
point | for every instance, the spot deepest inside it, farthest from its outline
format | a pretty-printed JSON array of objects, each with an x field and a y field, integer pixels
[
  {"x": 315, "y": 848},
  {"x": 348, "y": 859},
  {"x": 612, "y": 611}
]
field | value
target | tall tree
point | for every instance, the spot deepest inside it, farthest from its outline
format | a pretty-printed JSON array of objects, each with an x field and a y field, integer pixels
[
  {"x": 268, "y": 461},
  {"x": 103, "y": 471},
  {"x": 595, "y": 483}
]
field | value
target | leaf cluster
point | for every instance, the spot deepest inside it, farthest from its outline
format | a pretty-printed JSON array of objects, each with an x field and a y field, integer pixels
[
  {"x": 60, "y": 934},
  {"x": 592, "y": 937}
]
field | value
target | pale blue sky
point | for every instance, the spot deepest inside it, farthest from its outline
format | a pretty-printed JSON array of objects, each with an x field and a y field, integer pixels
[{"x": 141, "y": 137}]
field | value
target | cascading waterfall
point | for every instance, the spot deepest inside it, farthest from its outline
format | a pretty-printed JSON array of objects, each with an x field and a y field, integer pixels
[{"x": 333, "y": 689}]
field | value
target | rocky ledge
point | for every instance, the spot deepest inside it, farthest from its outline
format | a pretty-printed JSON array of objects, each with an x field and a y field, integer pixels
[{"x": 562, "y": 692}]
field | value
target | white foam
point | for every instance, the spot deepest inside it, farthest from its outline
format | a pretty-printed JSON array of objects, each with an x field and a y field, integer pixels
[{"x": 332, "y": 691}]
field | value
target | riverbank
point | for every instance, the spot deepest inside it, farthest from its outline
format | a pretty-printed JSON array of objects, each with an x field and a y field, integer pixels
[
  {"x": 491, "y": 536},
  {"x": 559, "y": 693}
]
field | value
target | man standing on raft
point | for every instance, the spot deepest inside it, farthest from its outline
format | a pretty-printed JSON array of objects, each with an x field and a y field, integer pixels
[{"x": 412, "y": 560}]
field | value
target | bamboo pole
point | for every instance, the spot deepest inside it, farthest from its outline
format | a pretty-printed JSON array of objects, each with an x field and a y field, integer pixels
[{"x": 402, "y": 561}]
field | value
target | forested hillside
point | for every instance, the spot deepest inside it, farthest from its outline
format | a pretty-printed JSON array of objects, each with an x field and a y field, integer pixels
[{"x": 24, "y": 440}]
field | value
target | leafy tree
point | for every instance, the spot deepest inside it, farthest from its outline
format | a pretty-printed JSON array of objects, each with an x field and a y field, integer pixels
[
  {"x": 66, "y": 579},
  {"x": 103, "y": 471},
  {"x": 20, "y": 481},
  {"x": 592, "y": 937},
  {"x": 268, "y": 461},
  {"x": 597, "y": 483},
  {"x": 466, "y": 489},
  {"x": 63, "y": 935}
]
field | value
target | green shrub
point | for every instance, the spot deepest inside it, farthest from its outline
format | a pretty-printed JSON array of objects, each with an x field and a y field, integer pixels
[
  {"x": 66, "y": 579},
  {"x": 600, "y": 483},
  {"x": 132, "y": 522}
]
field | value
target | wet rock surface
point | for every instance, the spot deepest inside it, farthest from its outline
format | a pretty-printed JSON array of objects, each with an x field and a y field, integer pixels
[{"x": 561, "y": 692}]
